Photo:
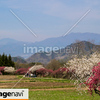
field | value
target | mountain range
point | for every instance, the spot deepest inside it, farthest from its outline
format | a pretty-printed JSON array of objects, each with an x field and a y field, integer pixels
[
  {"x": 80, "y": 48},
  {"x": 17, "y": 48}
]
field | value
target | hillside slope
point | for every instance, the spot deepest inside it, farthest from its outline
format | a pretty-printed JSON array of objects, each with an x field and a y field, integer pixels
[{"x": 79, "y": 48}]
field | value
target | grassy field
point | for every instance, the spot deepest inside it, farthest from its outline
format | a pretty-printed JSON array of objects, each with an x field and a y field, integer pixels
[
  {"x": 47, "y": 88},
  {"x": 34, "y": 83},
  {"x": 61, "y": 95}
]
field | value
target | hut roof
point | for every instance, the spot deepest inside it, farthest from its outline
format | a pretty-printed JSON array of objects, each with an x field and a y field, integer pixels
[{"x": 35, "y": 68}]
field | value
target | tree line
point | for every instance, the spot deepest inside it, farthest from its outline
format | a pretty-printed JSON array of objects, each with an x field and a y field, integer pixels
[{"x": 6, "y": 60}]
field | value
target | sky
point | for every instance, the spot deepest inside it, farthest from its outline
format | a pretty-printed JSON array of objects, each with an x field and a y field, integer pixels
[{"x": 47, "y": 18}]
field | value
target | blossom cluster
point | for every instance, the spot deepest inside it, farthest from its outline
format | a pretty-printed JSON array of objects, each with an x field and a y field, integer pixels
[
  {"x": 83, "y": 66},
  {"x": 6, "y": 70},
  {"x": 21, "y": 71},
  {"x": 63, "y": 73},
  {"x": 1, "y": 70},
  {"x": 59, "y": 73},
  {"x": 93, "y": 81}
]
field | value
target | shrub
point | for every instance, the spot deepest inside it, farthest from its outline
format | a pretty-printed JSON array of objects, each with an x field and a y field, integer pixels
[
  {"x": 62, "y": 73},
  {"x": 21, "y": 71},
  {"x": 41, "y": 72},
  {"x": 0, "y": 73},
  {"x": 9, "y": 70},
  {"x": 49, "y": 72},
  {"x": 94, "y": 81},
  {"x": 1, "y": 70}
]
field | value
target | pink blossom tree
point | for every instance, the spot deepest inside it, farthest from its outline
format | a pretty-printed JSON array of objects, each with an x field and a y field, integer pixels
[
  {"x": 41, "y": 72},
  {"x": 93, "y": 81},
  {"x": 22, "y": 71},
  {"x": 1, "y": 70},
  {"x": 63, "y": 73}
]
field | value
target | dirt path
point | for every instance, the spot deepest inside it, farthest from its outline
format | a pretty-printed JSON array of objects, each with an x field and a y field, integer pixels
[
  {"x": 57, "y": 89},
  {"x": 52, "y": 89}
]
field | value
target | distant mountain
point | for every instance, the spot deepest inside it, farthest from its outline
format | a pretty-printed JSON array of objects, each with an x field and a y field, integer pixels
[
  {"x": 25, "y": 49},
  {"x": 63, "y": 41},
  {"x": 7, "y": 41},
  {"x": 11, "y": 46},
  {"x": 18, "y": 59},
  {"x": 79, "y": 48}
]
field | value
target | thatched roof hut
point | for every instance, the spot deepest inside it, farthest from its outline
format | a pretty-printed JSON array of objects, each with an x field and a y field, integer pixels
[{"x": 35, "y": 68}]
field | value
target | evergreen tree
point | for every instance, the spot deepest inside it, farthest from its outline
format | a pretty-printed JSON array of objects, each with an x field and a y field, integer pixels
[
  {"x": 6, "y": 60},
  {"x": 3, "y": 59}
]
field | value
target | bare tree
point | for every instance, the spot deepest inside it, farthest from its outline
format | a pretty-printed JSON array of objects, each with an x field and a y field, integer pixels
[{"x": 53, "y": 64}]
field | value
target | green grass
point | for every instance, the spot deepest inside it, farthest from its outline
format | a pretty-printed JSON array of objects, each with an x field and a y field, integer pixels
[
  {"x": 52, "y": 80},
  {"x": 53, "y": 94},
  {"x": 41, "y": 79},
  {"x": 49, "y": 80},
  {"x": 45, "y": 79},
  {"x": 61, "y": 95},
  {"x": 13, "y": 81},
  {"x": 47, "y": 87}
]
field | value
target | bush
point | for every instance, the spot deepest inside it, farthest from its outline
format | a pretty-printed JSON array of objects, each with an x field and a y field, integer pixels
[
  {"x": 63, "y": 73},
  {"x": 49, "y": 72},
  {"x": 41, "y": 72},
  {"x": 0, "y": 73},
  {"x": 9, "y": 70},
  {"x": 59, "y": 73},
  {"x": 1, "y": 70},
  {"x": 94, "y": 81},
  {"x": 21, "y": 71}
]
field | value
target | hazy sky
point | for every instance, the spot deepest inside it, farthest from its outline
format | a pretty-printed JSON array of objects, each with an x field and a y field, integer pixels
[{"x": 47, "y": 18}]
